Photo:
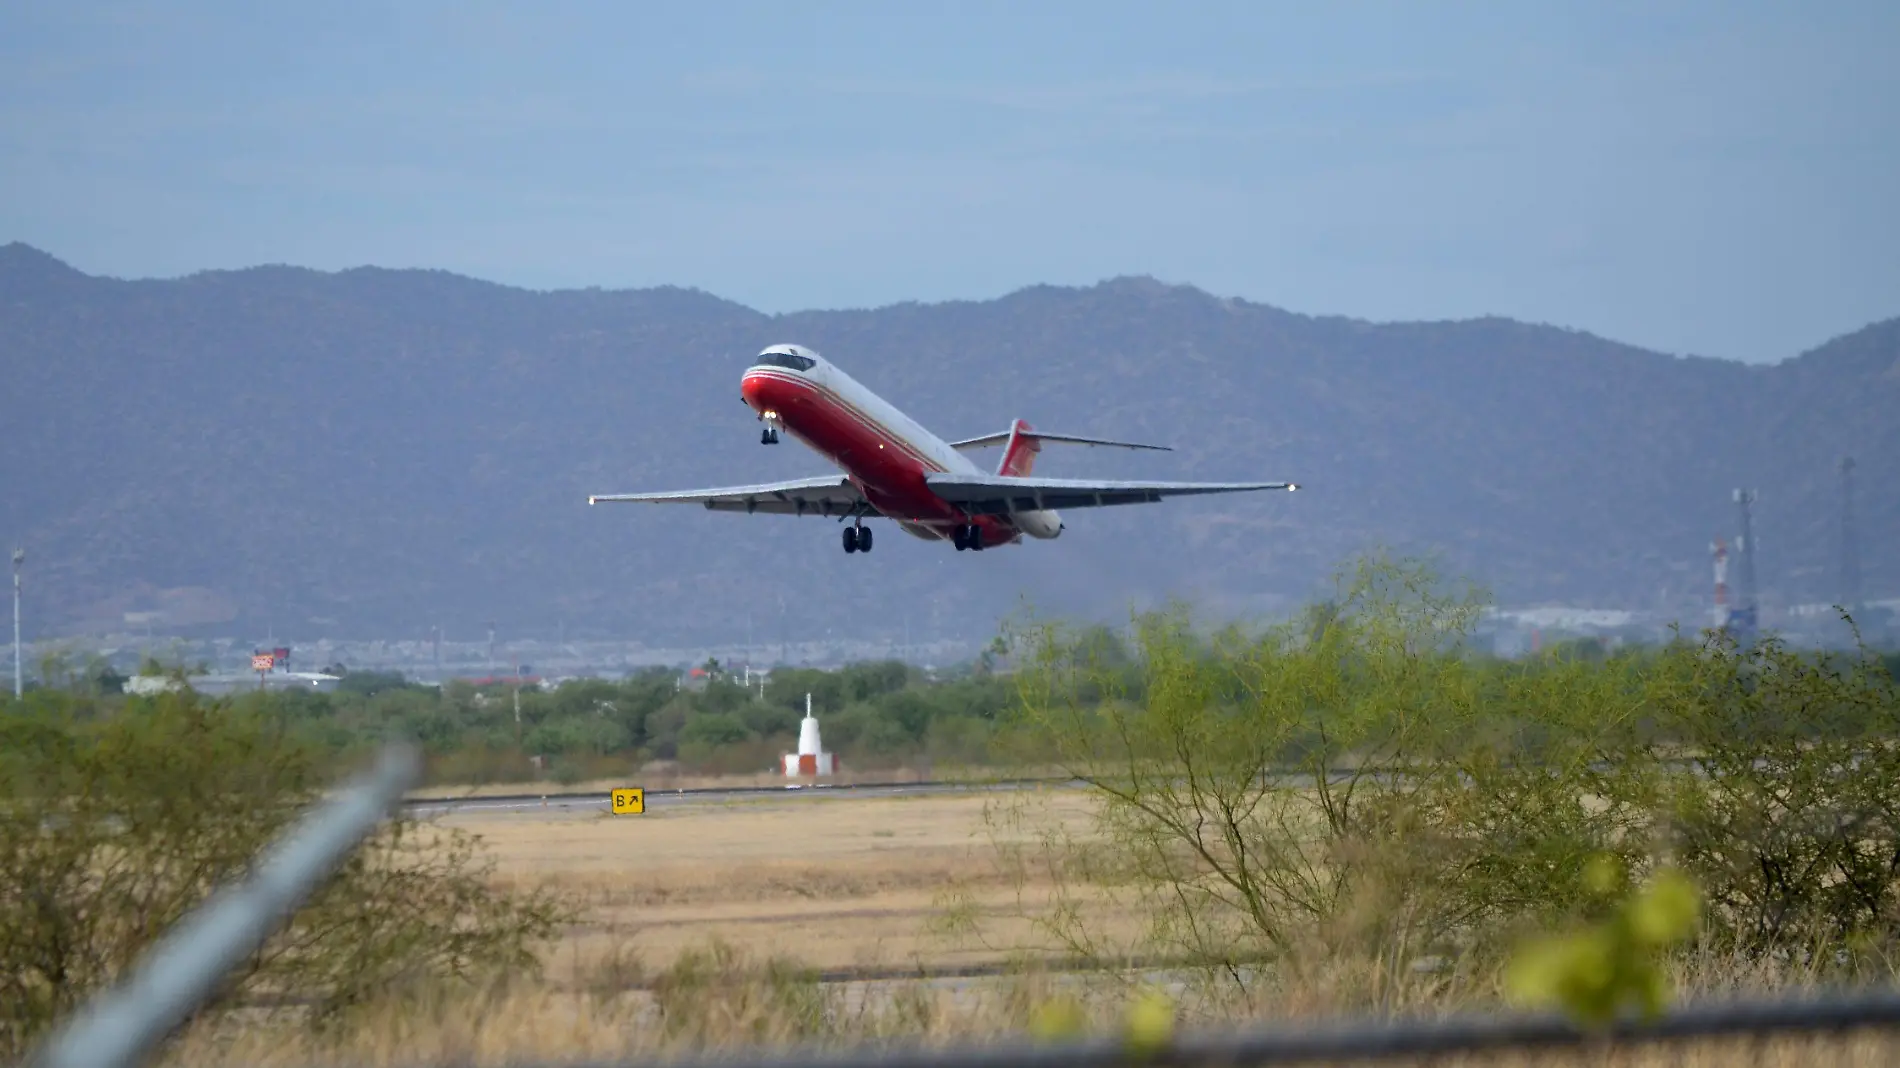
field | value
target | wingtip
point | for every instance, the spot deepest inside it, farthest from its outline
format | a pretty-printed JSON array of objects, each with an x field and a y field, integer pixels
[
  {"x": 590, "y": 500},
  {"x": 1291, "y": 486}
]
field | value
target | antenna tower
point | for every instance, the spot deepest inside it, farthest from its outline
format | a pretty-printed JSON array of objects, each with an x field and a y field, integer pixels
[{"x": 1746, "y": 615}]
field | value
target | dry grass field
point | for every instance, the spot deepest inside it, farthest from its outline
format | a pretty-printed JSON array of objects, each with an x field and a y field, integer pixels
[
  {"x": 836, "y": 882},
  {"x": 833, "y": 882}
]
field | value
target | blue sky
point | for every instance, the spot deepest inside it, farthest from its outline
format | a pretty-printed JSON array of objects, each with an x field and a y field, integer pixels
[{"x": 1709, "y": 178}]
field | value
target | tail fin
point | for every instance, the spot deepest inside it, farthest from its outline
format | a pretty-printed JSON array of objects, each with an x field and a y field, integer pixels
[{"x": 1019, "y": 456}]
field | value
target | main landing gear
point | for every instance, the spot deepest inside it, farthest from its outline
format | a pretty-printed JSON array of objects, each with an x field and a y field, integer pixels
[
  {"x": 968, "y": 536},
  {"x": 857, "y": 539}
]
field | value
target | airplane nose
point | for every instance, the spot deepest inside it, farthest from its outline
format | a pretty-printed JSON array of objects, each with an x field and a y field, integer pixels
[{"x": 754, "y": 388}]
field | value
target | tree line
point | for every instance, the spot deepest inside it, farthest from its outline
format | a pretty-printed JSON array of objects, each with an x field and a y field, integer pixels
[{"x": 874, "y": 715}]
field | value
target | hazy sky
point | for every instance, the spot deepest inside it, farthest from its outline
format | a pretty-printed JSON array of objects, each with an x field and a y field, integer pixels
[{"x": 1715, "y": 178}]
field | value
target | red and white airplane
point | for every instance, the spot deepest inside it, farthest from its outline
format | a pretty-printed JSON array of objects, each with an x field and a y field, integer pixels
[{"x": 894, "y": 468}]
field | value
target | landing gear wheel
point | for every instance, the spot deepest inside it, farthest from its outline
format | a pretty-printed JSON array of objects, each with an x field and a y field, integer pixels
[
  {"x": 864, "y": 539},
  {"x": 957, "y": 539},
  {"x": 851, "y": 539},
  {"x": 768, "y": 436}
]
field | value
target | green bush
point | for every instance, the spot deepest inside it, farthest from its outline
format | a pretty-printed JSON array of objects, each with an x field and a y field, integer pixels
[
  {"x": 715, "y": 729},
  {"x": 1362, "y": 785},
  {"x": 1788, "y": 810},
  {"x": 110, "y": 831}
]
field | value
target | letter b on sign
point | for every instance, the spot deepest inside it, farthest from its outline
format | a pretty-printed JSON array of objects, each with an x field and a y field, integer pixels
[{"x": 630, "y": 802}]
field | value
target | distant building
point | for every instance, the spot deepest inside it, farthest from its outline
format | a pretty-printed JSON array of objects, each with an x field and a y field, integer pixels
[
  {"x": 218, "y": 685},
  {"x": 523, "y": 679},
  {"x": 151, "y": 685}
]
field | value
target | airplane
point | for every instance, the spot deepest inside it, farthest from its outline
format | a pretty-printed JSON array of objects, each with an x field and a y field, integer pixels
[{"x": 893, "y": 468}]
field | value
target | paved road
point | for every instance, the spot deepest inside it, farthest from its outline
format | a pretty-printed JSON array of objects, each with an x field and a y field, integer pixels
[{"x": 557, "y": 802}]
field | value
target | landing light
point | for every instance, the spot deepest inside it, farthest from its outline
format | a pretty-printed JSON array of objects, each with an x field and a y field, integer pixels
[
  {"x": 590, "y": 500},
  {"x": 1290, "y": 487}
]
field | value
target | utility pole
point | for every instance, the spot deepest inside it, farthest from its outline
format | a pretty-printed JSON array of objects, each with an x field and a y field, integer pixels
[
  {"x": 19, "y": 684},
  {"x": 1850, "y": 551},
  {"x": 1719, "y": 551},
  {"x": 491, "y": 649}
]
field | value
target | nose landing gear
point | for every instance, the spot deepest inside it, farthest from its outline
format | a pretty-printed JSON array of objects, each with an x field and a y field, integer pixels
[{"x": 769, "y": 436}]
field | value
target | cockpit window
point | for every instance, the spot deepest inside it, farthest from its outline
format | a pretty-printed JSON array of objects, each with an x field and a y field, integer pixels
[{"x": 786, "y": 359}]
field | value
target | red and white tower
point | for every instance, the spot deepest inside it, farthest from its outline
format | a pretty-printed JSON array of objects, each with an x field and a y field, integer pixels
[
  {"x": 1720, "y": 550},
  {"x": 811, "y": 758}
]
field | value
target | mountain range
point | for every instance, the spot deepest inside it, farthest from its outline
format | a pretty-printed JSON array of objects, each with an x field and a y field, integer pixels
[{"x": 377, "y": 452}]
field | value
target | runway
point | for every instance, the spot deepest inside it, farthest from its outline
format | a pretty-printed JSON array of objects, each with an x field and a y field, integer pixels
[
  {"x": 581, "y": 802},
  {"x": 554, "y": 801}
]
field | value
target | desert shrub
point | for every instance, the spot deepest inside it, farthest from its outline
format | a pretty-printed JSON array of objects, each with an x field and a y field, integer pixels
[
  {"x": 1788, "y": 810},
  {"x": 1361, "y": 785},
  {"x": 718, "y": 994},
  {"x": 109, "y": 832},
  {"x": 714, "y": 729},
  {"x": 865, "y": 681},
  {"x": 864, "y": 732},
  {"x": 580, "y": 735},
  {"x": 749, "y": 756},
  {"x": 1217, "y": 760},
  {"x": 764, "y": 719},
  {"x": 478, "y": 763},
  {"x": 957, "y": 740}
]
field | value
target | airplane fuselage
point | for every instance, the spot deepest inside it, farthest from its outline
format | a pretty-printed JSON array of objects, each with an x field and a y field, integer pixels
[{"x": 885, "y": 453}]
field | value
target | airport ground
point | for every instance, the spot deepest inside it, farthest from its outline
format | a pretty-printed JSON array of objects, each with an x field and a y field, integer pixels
[
  {"x": 837, "y": 883},
  {"x": 841, "y": 884}
]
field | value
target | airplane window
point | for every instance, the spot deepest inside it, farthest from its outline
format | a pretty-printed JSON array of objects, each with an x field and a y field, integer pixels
[{"x": 787, "y": 359}]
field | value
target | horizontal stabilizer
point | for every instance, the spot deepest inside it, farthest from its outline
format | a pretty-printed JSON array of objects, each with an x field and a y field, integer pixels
[
  {"x": 1002, "y": 438},
  {"x": 1001, "y": 494}
]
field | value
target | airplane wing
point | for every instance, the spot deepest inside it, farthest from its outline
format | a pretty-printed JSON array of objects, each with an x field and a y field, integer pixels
[
  {"x": 1002, "y": 494},
  {"x": 1067, "y": 439},
  {"x": 824, "y": 495}
]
